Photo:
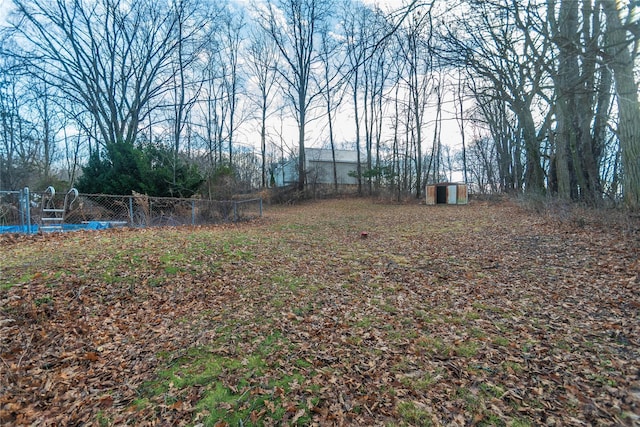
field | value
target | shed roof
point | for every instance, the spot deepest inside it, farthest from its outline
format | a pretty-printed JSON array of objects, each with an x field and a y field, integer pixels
[{"x": 438, "y": 184}]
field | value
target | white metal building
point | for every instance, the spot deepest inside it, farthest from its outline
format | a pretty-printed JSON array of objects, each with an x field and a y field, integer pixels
[{"x": 319, "y": 168}]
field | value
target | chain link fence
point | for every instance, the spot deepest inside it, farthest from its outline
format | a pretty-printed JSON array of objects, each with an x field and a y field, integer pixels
[
  {"x": 15, "y": 211},
  {"x": 23, "y": 211}
]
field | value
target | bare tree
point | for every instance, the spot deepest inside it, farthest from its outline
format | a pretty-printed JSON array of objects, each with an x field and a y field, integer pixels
[
  {"x": 20, "y": 137},
  {"x": 331, "y": 84},
  {"x": 294, "y": 26},
  {"x": 45, "y": 125},
  {"x": 186, "y": 70},
  {"x": 459, "y": 98},
  {"x": 494, "y": 40},
  {"x": 230, "y": 40},
  {"x": 575, "y": 29},
  {"x": 263, "y": 60},
  {"x": 354, "y": 29},
  {"x": 213, "y": 109},
  {"x": 112, "y": 59},
  {"x": 369, "y": 36},
  {"x": 416, "y": 51},
  {"x": 623, "y": 41},
  {"x": 376, "y": 73}
]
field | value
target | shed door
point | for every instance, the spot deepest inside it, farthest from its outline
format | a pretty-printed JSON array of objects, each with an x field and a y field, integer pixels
[
  {"x": 462, "y": 194},
  {"x": 452, "y": 194},
  {"x": 431, "y": 194},
  {"x": 441, "y": 194}
]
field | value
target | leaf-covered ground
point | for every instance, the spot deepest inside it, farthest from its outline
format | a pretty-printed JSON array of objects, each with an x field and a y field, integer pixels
[{"x": 476, "y": 315}]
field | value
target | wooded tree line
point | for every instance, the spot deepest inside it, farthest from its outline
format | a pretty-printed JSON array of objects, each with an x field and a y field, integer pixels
[{"x": 174, "y": 97}]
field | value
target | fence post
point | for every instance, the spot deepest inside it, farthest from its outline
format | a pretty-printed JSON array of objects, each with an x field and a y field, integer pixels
[
  {"x": 131, "y": 211},
  {"x": 26, "y": 209},
  {"x": 261, "y": 207},
  {"x": 193, "y": 212},
  {"x": 235, "y": 211},
  {"x": 23, "y": 210}
]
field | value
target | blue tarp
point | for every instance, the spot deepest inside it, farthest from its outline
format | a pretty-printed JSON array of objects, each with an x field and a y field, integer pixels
[{"x": 89, "y": 225}]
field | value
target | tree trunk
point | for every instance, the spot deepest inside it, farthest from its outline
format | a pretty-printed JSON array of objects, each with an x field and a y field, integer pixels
[
  {"x": 566, "y": 31},
  {"x": 628, "y": 107},
  {"x": 357, "y": 123},
  {"x": 533, "y": 174}
]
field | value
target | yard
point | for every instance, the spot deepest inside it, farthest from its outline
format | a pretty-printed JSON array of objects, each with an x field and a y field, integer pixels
[{"x": 485, "y": 314}]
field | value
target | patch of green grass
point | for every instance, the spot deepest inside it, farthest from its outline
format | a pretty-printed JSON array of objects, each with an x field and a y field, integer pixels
[
  {"x": 277, "y": 302},
  {"x": 102, "y": 420},
  {"x": 287, "y": 281},
  {"x": 156, "y": 281},
  {"x": 114, "y": 274},
  {"x": 365, "y": 322},
  {"x": 271, "y": 344},
  {"x": 520, "y": 422},
  {"x": 235, "y": 253},
  {"x": 466, "y": 349},
  {"x": 173, "y": 263},
  {"x": 472, "y": 401},
  {"x": 500, "y": 341},
  {"x": 197, "y": 367},
  {"x": 303, "y": 310},
  {"x": 294, "y": 227},
  {"x": 409, "y": 334},
  {"x": 6, "y": 285},
  {"x": 302, "y": 363},
  {"x": 492, "y": 390},
  {"x": 478, "y": 333},
  {"x": 435, "y": 345},
  {"x": 43, "y": 300},
  {"x": 221, "y": 404},
  {"x": 472, "y": 315},
  {"x": 421, "y": 381},
  {"x": 402, "y": 334},
  {"x": 513, "y": 366},
  {"x": 485, "y": 307},
  {"x": 455, "y": 320},
  {"x": 602, "y": 380},
  {"x": 172, "y": 270},
  {"x": 414, "y": 414},
  {"x": 424, "y": 383},
  {"x": 227, "y": 384},
  {"x": 492, "y": 420},
  {"x": 423, "y": 315},
  {"x": 388, "y": 307}
]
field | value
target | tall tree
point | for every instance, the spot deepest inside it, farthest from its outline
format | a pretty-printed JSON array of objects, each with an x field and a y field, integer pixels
[
  {"x": 623, "y": 41},
  {"x": 459, "y": 98},
  {"x": 416, "y": 50},
  {"x": 230, "y": 41},
  {"x": 263, "y": 60},
  {"x": 111, "y": 59},
  {"x": 376, "y": 72},
  {"x": 355, "y": 29},
  {"x": 294, "y": 27},
  {"x": 21, "y": 146},
  {"x": 495, "y": 42},
  {"x": 186, "y": 69},
  {"x": 575, "y": 30},
  {"x": 330, "y": 84}
]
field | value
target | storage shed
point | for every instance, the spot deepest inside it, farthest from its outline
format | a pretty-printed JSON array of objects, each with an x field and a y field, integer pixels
[{"x": 449, "y": 193}]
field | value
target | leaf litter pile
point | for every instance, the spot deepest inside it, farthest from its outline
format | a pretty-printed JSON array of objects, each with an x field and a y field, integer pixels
[{"x": 331, "y": 313}]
